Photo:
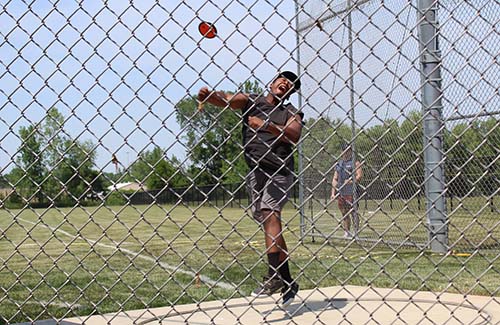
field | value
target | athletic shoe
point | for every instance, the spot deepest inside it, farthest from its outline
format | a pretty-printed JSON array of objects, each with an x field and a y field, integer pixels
[
  {"x": 347, "y": 235},
  {"x": 268, "y": 287},
  {"x": 289, "y": 294}
]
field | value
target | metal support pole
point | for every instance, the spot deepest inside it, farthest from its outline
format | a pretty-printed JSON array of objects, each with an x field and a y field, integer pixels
[
  {"x": 299, "y": 146},
  {"x": 430, "y": 59},
  {"x": 354, "y": 212}
]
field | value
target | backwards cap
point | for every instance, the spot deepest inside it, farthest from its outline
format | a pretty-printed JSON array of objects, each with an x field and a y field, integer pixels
[
  {"x": 345, "y": 146},
  {"x": 292, "y": 77}
]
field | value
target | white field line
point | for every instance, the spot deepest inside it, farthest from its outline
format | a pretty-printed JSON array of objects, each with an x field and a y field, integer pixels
[
  {"x": 46, "y": 304},
  {"x": 203, "y": 278}
]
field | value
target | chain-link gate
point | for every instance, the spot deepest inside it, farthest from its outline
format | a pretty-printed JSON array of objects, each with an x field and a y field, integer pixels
[{"x": 123, "y": 194}]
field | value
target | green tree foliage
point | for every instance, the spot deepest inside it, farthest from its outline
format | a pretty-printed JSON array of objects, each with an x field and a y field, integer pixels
[
  {"x": 472, "y": 151},
  {"x": 76, "y": 172},
  {"x": 392, "y": 154},
  {"x": 111, "y": 178},
  {"x": 214, "y": 140},
  {"x": 53, "y": 166},
  {"x": 321, "y": 143},
  {"x": 71, "y": 177},
  {"x": 30, "y": 161},
  {"x": 490, "y": 151},
  {"x": 156, "y": 172}
]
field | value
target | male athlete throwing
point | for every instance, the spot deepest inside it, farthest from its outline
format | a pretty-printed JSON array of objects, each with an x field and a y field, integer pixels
[{"x": 271, "y": 127}]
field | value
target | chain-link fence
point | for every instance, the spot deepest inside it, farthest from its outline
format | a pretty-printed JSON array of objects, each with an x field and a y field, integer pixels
[
  {"x": 120, "y": 191},
  {"x": 364, "y": 83}
]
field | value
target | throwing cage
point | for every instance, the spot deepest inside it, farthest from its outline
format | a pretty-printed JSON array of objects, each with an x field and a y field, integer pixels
[{"x": 395, "y": 90}]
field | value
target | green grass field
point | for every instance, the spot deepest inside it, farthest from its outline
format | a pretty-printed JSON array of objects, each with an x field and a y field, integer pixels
[
  {"x": 473, "y": 223},
  {"x": 82, "y": 261}
]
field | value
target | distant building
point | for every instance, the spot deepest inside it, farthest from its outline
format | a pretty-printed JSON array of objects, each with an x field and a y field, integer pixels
[
  {"x": 5, "y": 191},
  {"x": 127, "y": 186}
]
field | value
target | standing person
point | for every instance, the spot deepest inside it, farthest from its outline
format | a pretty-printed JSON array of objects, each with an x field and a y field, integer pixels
[
  {"x": 270, "y": 129},
  {"x": 342, "y": 183}
]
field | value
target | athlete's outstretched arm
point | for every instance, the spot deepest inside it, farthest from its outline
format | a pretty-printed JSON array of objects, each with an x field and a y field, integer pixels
[{"x": 223, "y": 99}]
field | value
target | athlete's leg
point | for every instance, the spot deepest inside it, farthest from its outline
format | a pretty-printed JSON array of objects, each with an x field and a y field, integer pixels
[{"x": 346, "y": 220}]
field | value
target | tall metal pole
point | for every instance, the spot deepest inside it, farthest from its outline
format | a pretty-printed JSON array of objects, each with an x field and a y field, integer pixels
[
  {"x": 430, "y": 58},
  {"x": 299, "y": 146},
  {"x": 355, "y": 216}
]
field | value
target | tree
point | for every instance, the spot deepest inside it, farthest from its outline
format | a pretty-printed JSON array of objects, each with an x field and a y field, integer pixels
[
  {"x": 322, "y": 142},
  {"x": 75, "y": 171},
  {"x": 214, "y": 140},
  {"x": 52, "y": 165},
  {"x": 410, "y": 155},
  {"x": 472, "y": 157},
  {"x": 54, "y": 138},
  {"x": 491, "y": 154},
  {"x": 31, "y": 164},
  {"x": 456, "y": 160},
  {"x": 157, "y": 172},
  {"x": 391, "y": 153}
]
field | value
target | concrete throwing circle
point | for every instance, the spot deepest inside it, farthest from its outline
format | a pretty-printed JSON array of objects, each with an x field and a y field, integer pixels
[{"x": 310, "y": 310}]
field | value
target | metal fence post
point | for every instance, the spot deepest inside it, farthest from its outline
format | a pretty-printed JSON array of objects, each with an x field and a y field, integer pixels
[
  {"x": 300, "y": 159},
  {"x": 352, "y": 116},
  {"x": 430, "y": 59}
]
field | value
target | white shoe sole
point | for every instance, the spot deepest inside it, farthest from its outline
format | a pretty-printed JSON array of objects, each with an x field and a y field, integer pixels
[{"x": 288, "y": 303}]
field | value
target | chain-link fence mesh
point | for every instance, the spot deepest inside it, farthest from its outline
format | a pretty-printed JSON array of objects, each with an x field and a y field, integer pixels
[
  {"x": 118, "y": 194},
  {"x": 384, "y": 117}
]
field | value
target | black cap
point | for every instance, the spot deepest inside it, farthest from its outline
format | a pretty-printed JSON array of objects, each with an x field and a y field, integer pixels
[
  {"x": 345, "y": 146},
  {"x": 292, "y": 77}
]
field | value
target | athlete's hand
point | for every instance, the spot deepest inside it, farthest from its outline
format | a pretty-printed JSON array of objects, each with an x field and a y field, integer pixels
[
  {"x": 255, "y": 122},
  {"x": 203, "y": 93},
  {"x": 334, "y": 195}
]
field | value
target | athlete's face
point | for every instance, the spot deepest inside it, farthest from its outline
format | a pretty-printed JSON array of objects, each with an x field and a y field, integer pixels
[
  {"x": 347, "y": 154},
  {"x": 282, "y": 88}
]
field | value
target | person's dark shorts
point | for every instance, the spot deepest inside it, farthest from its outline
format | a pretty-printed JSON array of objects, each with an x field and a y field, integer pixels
[
  {"x": 345, "y": 202},
  {"x": 267, "y": 192}
]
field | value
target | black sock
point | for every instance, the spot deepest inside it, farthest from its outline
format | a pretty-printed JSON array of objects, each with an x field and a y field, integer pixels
[
  {"x": 274, "y": 262},
  {"x": 285, "y": 273}
]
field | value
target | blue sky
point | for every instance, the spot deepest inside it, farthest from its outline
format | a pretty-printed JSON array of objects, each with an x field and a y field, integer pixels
[
  {"x": 116, "y": 71},
  {"x": 387, "y": 61}
]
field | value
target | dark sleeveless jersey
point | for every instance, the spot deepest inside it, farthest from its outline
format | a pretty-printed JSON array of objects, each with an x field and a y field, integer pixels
[
  {"x": 345, "y": 169},
  {"x": 262, "y": 148}
]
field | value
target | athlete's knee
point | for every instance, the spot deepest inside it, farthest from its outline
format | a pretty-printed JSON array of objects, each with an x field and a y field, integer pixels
[{"x": 270, "y": 216}]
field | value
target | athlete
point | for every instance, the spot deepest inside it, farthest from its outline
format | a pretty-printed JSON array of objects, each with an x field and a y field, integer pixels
[
  {"x": 342, "y": 183},
  {"x": 271, "y": 128}
]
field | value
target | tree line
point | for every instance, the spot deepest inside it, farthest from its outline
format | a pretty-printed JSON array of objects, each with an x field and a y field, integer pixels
[
  {"x": 392, "y": 155},
  {"x": 52, "y": 168}
]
